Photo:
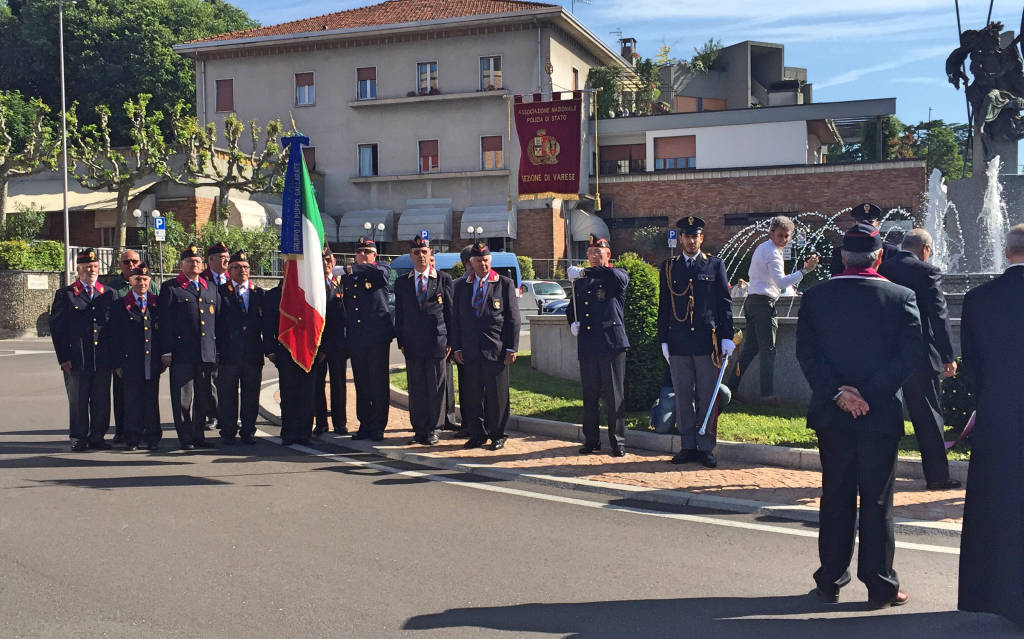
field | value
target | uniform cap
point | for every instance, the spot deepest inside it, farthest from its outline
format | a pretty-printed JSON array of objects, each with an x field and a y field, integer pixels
[
  {"x": 479, "y": 249},
  {"x": 189, "y": 251},
  {"x": 367, "y": 244},
  {"x": 599, "y": 242},
  {"x": 419, "y": 242},
  {"x": 691, "y": 225},
  {"x": 217, "y": 249},
  {"x": 862, "y": 238},
  {"x": 86, "y": 256},
  {"x": 866, "y": 212},
  {"x": 240, "y": 256},
  {"x": 142, "y": 268}
]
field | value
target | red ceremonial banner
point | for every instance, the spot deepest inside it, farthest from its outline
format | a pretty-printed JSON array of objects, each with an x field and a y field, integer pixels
[{"x": 549, "y": 144}]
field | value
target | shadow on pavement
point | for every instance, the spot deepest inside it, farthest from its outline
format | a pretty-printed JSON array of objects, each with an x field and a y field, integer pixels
[
  {"x": 142, "y": 481},
  {"x": 718, "y": 617},
  {"x": 53, "y": 461}
]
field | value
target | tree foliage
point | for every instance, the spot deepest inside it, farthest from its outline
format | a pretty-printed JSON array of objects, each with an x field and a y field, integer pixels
[
  {"x": 25, "y": 225},
  {"x": 644, "y": 364},
  {"x": 941, "y": 145},
  {"x": 27, "y": 143},
  {"x": 705, "y": 55},
  {"x": 114, "y": 50},
  {"x": 607, "y": 81}
]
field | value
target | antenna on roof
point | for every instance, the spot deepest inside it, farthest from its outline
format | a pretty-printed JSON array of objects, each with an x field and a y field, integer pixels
[
  {"x": 573, "y": 5},
  {"x": 617, "y": 33}
]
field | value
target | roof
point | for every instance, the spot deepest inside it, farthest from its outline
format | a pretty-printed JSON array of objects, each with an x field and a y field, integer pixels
[
  {"x": 47, "y": 194},
  {"x": 386, "y": 13}
]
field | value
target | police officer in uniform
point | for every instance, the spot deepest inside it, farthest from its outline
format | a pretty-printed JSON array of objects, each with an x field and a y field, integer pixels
[
  {"x": 695, "y": 330},
  {"x": 864, "y": 213},
  {"x": 189, "y": 305},
  {"x": 79, "y": 327},
  {"x": 216, "y": 272},
  {"x": 239, "y": 352},
  {"x": 485, "y": 341},
  {"x": 137, "y": 360},
  {"x": 334, "y": 343},
  {"x": 423, "y": 303},
  {"x": 595, "y": 318},
  {"x": 369, "y": 338}
]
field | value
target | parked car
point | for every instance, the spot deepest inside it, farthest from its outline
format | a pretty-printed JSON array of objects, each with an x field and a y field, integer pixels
[
  {"x": 535, "y": 295},
  {"x": 555, "y": 307}
]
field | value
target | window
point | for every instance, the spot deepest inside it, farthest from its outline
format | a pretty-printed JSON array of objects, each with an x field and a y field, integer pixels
[
  {"x": 309, "y": 154},
  {"x": 107, "y": 236},
  {"x": 367, "y": 160},
  {"x": 305, "y": 92},
  {"x": 490, "y": 73},
  {"x": 491, "y": 154},
  {"x": 366, "y": 77},
  {"x": 426, "y": 77},
  {"x": 429, "y": 161},
  {"x": 623, "y": 158},
  {"x": 225, "y": 95},
  {"x": 575, "y": 79},
  {"x": 675, "y": 152}
]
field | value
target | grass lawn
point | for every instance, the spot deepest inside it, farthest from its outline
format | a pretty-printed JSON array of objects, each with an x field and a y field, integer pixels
[{"x": 534, "y": 394}]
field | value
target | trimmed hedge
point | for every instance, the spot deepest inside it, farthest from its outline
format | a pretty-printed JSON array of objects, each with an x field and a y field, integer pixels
[
  {"x": 19, "y": 255},
  {"x": 645, "y": 366},
  {"x": 526, "y": 267}
]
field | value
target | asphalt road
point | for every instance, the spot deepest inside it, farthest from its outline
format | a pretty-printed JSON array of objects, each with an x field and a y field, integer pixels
[{"x": 265, "y": 541}]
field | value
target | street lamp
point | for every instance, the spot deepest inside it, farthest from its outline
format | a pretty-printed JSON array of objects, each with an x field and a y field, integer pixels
[
  {"x": 475, "y": 231},
  {"x": 373, "y": 230},
  {"x": 138, "y": 214},
  {"x": 64, "y": 142}
]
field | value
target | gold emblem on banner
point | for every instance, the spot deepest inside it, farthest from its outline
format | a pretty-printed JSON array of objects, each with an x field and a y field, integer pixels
[{"x": 544, "y": 149}]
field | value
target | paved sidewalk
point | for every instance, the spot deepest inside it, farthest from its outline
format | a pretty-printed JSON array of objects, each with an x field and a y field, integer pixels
[{"x": 732, "y": 486}]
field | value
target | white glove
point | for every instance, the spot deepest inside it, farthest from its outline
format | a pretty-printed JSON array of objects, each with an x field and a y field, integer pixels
[
  {"x": 664, "y": 351},
  {"x": 573, "y": 272},
  {"x": 728, "y": 346},
  {"x": 574, "y": 328}
]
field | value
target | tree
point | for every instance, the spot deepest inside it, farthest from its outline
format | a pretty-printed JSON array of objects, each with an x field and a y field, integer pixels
[
  {"x": 705, "y": 55},
  {"x": 664, "y": 56},
  {"x": 646, "y": 92},
  {"x": 114, "y": 50},
  {"x": 27, "y": 143},
  {"x": 204, "y": 164},
  {"x": 607, "y": 81},
  {"x": 99, "y": 165}
]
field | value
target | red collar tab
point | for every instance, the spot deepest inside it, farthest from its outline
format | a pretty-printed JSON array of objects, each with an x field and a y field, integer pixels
[
  {"x": 79, "y": 288},
  {"x": 491, "y": 277},
  {"x": 862, "y": 272}
]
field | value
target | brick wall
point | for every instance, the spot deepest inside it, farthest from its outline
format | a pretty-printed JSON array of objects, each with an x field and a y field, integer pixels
[
  {"x": 902, "y": 184},
  {"x": 541, "y": 233},
  {"x": 190, "y": 212}
]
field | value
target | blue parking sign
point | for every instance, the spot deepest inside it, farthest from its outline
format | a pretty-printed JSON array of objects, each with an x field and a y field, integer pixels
[
  {"x": 425, "y": 234},
  {"x": 159, "y": 223}
]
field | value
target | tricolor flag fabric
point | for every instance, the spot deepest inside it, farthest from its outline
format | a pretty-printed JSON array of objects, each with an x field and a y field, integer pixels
[{"x": 303, "y": 294}]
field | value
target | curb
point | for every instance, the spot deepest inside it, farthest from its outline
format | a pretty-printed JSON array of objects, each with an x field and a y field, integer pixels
[{"x": 542, "y": 427}]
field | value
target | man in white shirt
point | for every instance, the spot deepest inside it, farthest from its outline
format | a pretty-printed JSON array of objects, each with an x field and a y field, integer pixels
[{"x": 767, "y": 281}]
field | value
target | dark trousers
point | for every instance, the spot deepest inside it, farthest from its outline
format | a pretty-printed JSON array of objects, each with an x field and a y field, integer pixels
[
  {"x": 921, "y": 396},
  {"x": 191, "y": 387},
  {"x": 298, "y": 398},
  {"x": 373, "y": 392},
  {"x": 234, "y": 380},
  {"x": 762, "y": 325},
  {"x": 464, "y": 401},
  {"x": 336, "y": 365},
  {"x": 88, "y": 404},
  {"x": 857, "y": 464},
  {"x": 141, "y": 410},
  {"x": 604, "y": 376},
  {"x": 117, "y": 384},
  {"x": 485, "y": 402},
  {"x": 320, "y": 393},
  {"x": 426, "y": 393},
  {"x": 450, "y": 420}
]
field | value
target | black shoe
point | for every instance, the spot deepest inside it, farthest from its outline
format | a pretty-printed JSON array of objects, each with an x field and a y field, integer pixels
[
  {"x": 451, "y": 427},
  {"x": 361, "y": 435},
  {"x": 431, "y": 439},
  {"x": 118, "y": 439},
  {"x": 248, "y": 439},
  {"x": 949, "y": 484},
  {"x": 499, "y": 443},
  {"x": 227, "y": 441},
  {"x": 318, "y": 432},
  {"x": 303, "y": 441},
  {"x": 475, "y": 442},
  {"x": 619, "y": 451},
  {"x": 100, "y": 445},
  {"x": 131, "y": 447},
  {"x": 707, "y": 459},
  {"x": 204, "y": 444},
  {"x": 463, "y": 433},
  {"x": 152, "y": 447},
  {"x": 589, "y": 450},
  {"x": 188, "y": 447},
  {"x": 78, "y": 445},
  {"x": 825, "y": 597},
  {"x": 417, "y": 440},
  {"x": 287, "y": 442},
  {"x": 377, "y": 438},
  {"x": 341, "y": 430},
  {"x": 686, "y": 456}
]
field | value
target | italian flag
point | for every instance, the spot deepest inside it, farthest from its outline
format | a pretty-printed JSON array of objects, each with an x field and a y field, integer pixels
[{"x": 303, "y": 292}]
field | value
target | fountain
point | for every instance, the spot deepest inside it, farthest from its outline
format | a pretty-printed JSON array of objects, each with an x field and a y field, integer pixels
[{"x": 992, "y": 220}]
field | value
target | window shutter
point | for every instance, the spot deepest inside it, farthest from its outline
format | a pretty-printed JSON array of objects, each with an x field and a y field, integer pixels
[
  {"x": 303, "y": 79},
  {"x": 225, "y": 95},
  {"x": 428, "y": 148},
  {"x": 683, "y": 146},
  {"x": 491, "y": 143},
  {"x": 366, "y": 73}
]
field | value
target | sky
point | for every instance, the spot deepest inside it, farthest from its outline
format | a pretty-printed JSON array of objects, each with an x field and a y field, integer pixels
[{"x": 852, "y": 49}]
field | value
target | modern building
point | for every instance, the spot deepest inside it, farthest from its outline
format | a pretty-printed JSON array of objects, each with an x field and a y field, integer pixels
[{"x": 407, "y": 105}]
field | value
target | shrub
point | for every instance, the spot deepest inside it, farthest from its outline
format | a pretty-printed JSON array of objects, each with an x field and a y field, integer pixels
[
  {"x": 957, "y": 400},
  {"x": 644, "y": 364},
  {"x": 19, "y": 255},
  {"x": 23, "y": 225},
  {"x": 14, "y": 255},
  {"x": 457, "y": 271},
  {"x": 526, "y": 266}
]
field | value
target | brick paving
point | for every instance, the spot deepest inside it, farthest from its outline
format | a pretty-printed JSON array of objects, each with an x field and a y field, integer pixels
[{"x": 645, "y": 469}]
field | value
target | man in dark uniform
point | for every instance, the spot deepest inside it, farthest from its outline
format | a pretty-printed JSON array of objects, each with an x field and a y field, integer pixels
[
  {"x": 189, "y": 305},
  {"x": 451, "y": 421},
  {"x": 858, "y": 339},
  {"x": 464, "y": 431},
  {"x": 137, "y": 360},
  {"x": 369, "y": 338},
  {"x": 695, "y": 330},
  {"x": 334, "y": 345},
  {"x": 239, "y": 352},
  {"x": 217, "y": 256},
  {"x": 865, "y": 213},
  {"x": 595, "y": 318},
  {"x": 79, "y": 326},
  {"x": 485, "y": 341},
  {"x": 119, "y": 286},
  {"x": 298, "y": 388},
  {"x": 921, "y": 391},
  {"x": 423, "y": 304}
]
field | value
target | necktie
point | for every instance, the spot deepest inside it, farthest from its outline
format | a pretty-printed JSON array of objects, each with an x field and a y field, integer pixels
[
  {"x": 478, "y": 297},
  {"x": 142, "y": 304},
  {"x": 88, "y": 291},
  {"x": 689, "y": 262},
  {"x": 195, "y": 285},
  {"x": 421, "y": 289},
  {"x": 241, "y": 302}
]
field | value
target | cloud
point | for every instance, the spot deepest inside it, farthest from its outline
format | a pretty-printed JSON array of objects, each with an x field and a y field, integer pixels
[
  {"x": 767, "y": 10},
  {"x": 904, "y": 59}
]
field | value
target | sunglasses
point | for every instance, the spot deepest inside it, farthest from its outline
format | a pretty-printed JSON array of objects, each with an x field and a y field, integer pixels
[{"x": 129, "y": 261}]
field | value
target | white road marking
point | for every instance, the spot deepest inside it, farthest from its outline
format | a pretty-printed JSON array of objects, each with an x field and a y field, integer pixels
[
  {"x": 699, "y": 519},
  {"x": 12, "y": 353}
]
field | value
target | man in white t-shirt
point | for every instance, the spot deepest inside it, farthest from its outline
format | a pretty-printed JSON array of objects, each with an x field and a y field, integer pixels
[{"x": 768, "y": 280}]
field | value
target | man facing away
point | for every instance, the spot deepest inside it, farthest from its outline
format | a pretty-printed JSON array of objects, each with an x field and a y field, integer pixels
[
  {"x": 992, "y": 544},
  {"x": 595, "y": 315},
  {"x": 767, "y": 281},
  {"x": 921, "y": 391},
  {"x": 485, "y": 341},
  {"x": 858, "y": 339}
]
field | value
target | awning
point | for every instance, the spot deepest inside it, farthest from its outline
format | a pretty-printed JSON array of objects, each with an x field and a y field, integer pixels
[
  {"x": 47, "y": 194},
  {"x": 352, "y": 225},
  {"x": 496, "y": 220},
  {"x": 251, "y": 214},
  {"x": 584, "y": 224},
  {"x": 437, "y": 220}
]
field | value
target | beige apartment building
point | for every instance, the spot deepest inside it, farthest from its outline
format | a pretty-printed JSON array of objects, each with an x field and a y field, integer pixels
[{"x": 407, "y": 106}]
